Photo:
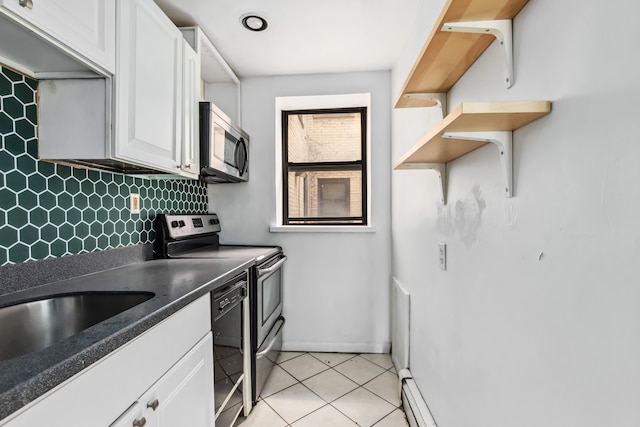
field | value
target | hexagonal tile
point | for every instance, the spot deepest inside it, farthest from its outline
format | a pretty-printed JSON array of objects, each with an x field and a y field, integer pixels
[
  {"x": 90, "y": 244},
  {"x": 58, "y": 247},
  {"x": 8, "y": 236},
  {"x": 87, "y": 186},
  {"x": 38, "y": 217},
  {"x": 14, "y": 144},
  {"x": 18, "y": 253},
  {"x": 74, "y": 245},
  {"x": 72, "y": 186},
  {"x": 31, "y": 111},
  {"x": 6, "y": 123},
  {"x": 57, "y": 216},
  {"x": 12, "y": 75},
  {"x": 65, "y": 201},
  {"x": 102, "y": 215},
  {"x": 96, "y": 228},
  {"x": 25, "y": 128},
  {"x": 103, "y": 242},
  {"x": 36, "y": 183},
  {"x": 7, "y": 161},
  {"x": 8, "y": 199},
  {"x": 65, "y": 232},
  {"x": 5, "y": 85},
  {"x": 109, "y": 228},
  {"x": 13, "y": 108},
  {"x": 63, "y": 171},
  {"x": 17, "y": 217},
  {"x": 15, "y": 181},
  {"x": 74, "y": 215},
  {"x": 48, "y": 233},
  {"x": 28, "y": 235},
  {"x": 39, "y": 250},
  {"x": 47, "y": 200},
  {"x": 114, "y": 241},
  {"x": 23, "y": 92},
  {"x": 88, "y": 215},
  {"x": 55, "y": 184},
  {"x": 27, "y": 199},
  {"x": 47, "y": 169}
]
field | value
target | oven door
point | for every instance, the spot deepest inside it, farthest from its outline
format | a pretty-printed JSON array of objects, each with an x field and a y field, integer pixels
[{"x": 268, "y": 296}]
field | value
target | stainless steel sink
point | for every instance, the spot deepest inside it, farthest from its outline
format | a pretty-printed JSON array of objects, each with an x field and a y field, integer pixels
[{"x": 31, "y": 326}]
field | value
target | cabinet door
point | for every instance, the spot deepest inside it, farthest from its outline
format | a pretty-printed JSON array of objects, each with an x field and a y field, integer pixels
[
  {"x": 132, "y": 417},
  {"x": 148, "y": 86},
  {"x": 190, "y": 112},
  {"x": 84, "y": 26},
  {"x": 184, "y": 395}
]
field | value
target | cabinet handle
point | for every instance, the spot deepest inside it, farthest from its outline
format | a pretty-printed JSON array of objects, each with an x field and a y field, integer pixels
[
  {"x": 153, "y": 405},
  {"x": 26, "y": 3},
  {"x": 140, "y": 423}
]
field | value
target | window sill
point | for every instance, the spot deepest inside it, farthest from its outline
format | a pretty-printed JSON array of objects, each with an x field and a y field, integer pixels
[{"x": 322, "y": 229}]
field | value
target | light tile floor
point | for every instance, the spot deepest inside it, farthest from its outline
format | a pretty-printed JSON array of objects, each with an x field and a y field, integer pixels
[{"x": 329, "y": 390}]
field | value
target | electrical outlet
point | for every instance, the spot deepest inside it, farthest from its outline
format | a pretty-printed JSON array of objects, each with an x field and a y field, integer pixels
[
  {"x": 135, "y": 203},
  {"x": 442, "y": 255}
]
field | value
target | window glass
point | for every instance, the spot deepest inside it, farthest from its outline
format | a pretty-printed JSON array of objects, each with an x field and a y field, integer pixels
[{"x": 324, "y": 160}]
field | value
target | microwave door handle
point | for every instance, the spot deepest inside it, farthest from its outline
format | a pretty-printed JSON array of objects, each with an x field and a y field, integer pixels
[
  {"x": 265, "y": 271},
  {"x": 241, "y": 145}
]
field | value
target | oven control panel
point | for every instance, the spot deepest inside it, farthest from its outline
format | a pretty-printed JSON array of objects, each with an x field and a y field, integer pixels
[{"x": 180, "y": 226}]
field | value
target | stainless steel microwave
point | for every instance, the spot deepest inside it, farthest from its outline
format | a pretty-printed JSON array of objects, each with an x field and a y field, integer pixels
[{"x": 224, "y": 149}]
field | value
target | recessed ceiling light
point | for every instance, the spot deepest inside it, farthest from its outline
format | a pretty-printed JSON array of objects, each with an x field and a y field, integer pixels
[{"x": 254, "y": 22}]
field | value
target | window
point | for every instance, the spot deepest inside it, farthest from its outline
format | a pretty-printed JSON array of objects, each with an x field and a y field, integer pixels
[{"x": 324, "y": 166}]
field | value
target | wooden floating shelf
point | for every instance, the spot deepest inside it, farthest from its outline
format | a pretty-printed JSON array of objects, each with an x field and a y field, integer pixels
[
  {"x": 446, "y": 56},
  {"x": 470, "y": 117}
]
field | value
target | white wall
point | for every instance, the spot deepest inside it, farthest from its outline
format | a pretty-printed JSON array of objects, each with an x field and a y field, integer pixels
[
  {"x": 336, "y": 285},
  {"x": 537, "y": 319}
]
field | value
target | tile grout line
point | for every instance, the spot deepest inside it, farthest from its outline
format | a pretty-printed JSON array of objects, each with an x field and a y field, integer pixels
[{"x": 327, "y": 403}]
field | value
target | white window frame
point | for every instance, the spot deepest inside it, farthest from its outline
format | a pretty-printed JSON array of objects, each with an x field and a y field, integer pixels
[{"x": 317, "y": 102}]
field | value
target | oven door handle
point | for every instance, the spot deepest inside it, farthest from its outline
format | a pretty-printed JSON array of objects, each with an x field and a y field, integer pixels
[
  {"x": 277, "y": 328},
  {"x": 266, "y": 271}
]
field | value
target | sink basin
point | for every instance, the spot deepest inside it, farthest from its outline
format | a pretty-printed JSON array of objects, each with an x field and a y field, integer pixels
[{"x": 31, "y": 326}]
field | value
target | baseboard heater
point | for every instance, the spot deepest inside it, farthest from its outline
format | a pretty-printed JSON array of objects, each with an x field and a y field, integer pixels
[{"x": 416, "y": 409}]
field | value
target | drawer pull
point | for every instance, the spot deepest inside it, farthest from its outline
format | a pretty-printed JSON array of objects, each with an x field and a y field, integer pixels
[
  {"x": 26, "y": 3},
  {"x": 140, "y": 423},
  {"x": 153, "y": 405}
]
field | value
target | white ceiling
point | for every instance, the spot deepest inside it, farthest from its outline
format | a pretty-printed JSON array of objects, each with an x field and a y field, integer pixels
[{"x": 304, "y": 36}]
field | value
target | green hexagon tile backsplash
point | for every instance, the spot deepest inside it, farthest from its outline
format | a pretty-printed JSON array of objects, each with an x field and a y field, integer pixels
[{"x": 51, "y": 210}]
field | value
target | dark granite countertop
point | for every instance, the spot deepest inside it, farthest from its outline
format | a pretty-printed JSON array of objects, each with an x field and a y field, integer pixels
[{"x": 175, "y": 283}]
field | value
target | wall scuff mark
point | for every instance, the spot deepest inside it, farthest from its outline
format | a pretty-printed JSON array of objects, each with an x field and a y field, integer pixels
[{"x": 465, "y": 218}]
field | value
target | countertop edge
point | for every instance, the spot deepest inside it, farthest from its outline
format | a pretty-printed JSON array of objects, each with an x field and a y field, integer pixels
[{"x": 19, "y": 396}]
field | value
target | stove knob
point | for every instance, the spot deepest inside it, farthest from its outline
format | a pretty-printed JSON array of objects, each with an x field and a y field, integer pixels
[{"x": 174, "y": 224}]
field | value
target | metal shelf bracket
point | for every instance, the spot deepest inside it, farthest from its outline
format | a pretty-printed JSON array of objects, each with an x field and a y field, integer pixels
[
  {"x": 439, "y": 168},
  {"x": 501, "y": 29},
  {"x": 501, "y": 139},
  {"x": 438, "y": 100}
]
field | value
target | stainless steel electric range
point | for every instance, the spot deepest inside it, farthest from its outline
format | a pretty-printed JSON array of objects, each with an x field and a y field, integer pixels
[{"x": 247, "y": 331}]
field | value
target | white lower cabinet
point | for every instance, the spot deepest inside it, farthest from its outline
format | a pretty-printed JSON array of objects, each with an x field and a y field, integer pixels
[
  {"x": 164, "y": 375},
  {"x": 182, "y": 397}
]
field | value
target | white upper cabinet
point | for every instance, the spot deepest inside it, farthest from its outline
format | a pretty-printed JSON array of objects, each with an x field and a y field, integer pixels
[
  {"x": 80, "y": 28},
  {"x": 190, "y": 112},
  {"x": 148, "y": 86}
]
